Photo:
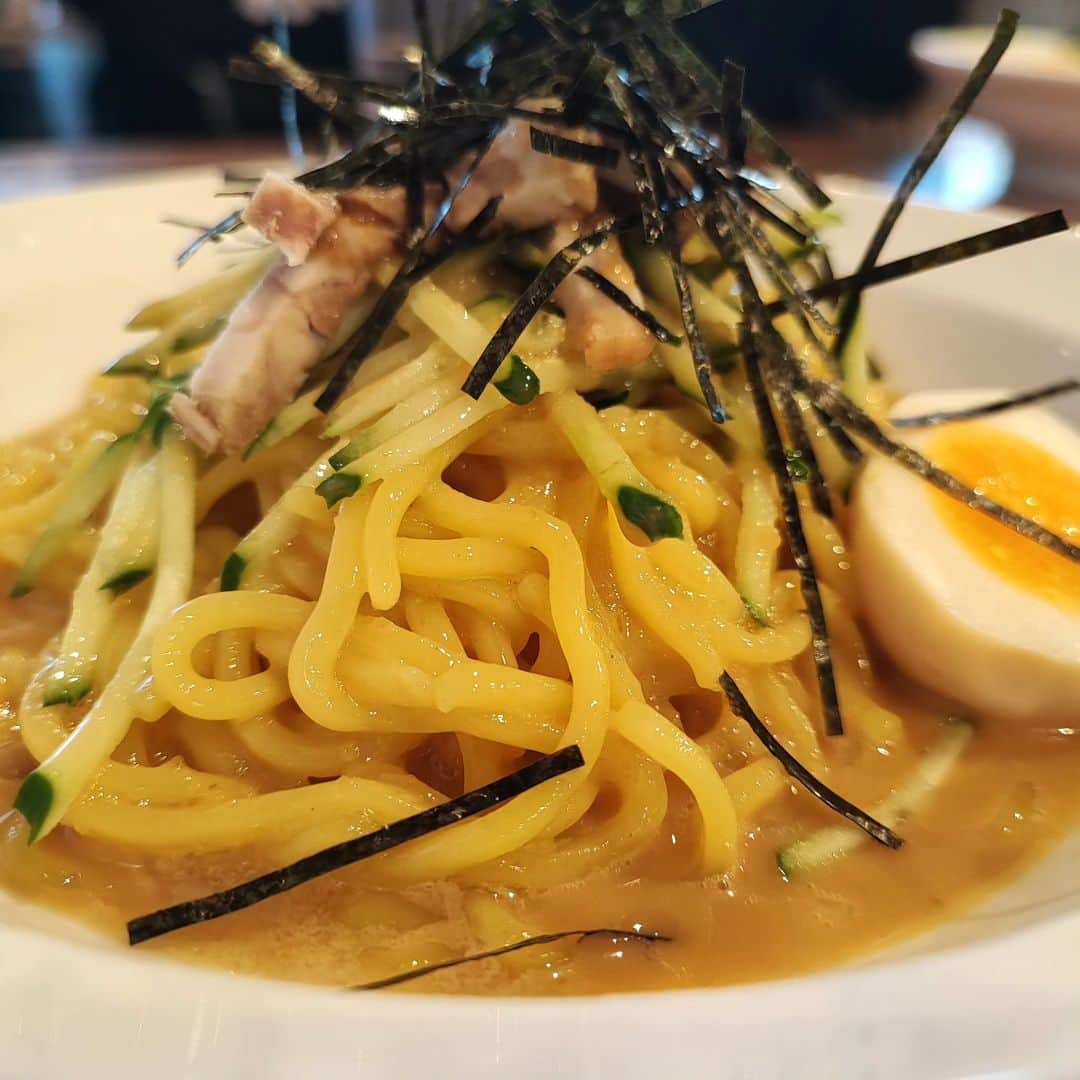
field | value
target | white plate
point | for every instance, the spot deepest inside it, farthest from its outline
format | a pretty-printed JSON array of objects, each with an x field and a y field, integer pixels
[{"x": 996, "y": 993}]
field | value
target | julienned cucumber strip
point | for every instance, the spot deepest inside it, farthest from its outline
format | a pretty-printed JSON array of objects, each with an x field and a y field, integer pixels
[
  {"x": 190, "y": 318},
  {"x": 57, "y": 782},
  {"x": 127, "y": 551},
  {"x": 393, "y": 388},
  {"x": 219, "y": 292},
  {"x": 84, "y": 493},
  {"x": 855, "y": 362},
  {"x": 718, "y": 319},
  {"x": 340, "y": 486},
  {"x": 620, "y": 482},
  {"x": 128, "y": 538},
  {"x": 909, "y": 799},
  {"x": 272, "y": 531},
  {"x": 516, "y": 381},
  {"x": 409, "y": 411},
  {"x": 651, "y": 513},
  {"x": 289, "y": 421}
]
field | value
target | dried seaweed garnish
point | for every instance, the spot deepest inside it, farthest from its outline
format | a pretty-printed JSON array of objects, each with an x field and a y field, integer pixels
[
  {"x": 703, "y": 365},
  {"x": 328, "y": 98},
  {"x": 226, "y": 225},
  {"x": 492, "y": 954},
  {"x": 647, "y": 179},
  {"x": 973, "y": 84},
  {"x": 709, "y": 94},
  {"x": 801, "y": 458},
  {"x": 989, "y": 408},
  {"x": 352, "y": 851},
  {"x": 618, "y": 296},
  {"x": 758, "y": 203},
  {"x": 832, "y": 401},
  {"x": 793, "y": 524},
  {"x": 771, "y": 149},
  {"x": 871, "y": 826},
  {"x": 848, "y": 448},
  {"x": 539, "y": 939},
  {"x": 587, "y": 87},
  {"x": 797, "y": 299},
  {"x": 245, "y": 69},
  {"x": 732, "y": 80},
  {"x": 759, "y": 340},
  {"x": 360, "y": 345},
  {"x": 535, "y": 296},
  {"x": 547, "y": 142},
  {"x": 1004, "y": 236}
]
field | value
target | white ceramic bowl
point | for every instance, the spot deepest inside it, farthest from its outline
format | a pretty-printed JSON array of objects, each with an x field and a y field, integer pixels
[
  {"x": 1034, "y": 95},
  {"x": 994, "y": 993}
]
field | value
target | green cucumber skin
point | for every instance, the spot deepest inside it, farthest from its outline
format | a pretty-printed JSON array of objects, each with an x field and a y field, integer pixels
[
  {"x": 70, "y": 691},
  {"x": 34, "y": 801},
  {"x": 520, "y": 386},
  {"x": 126, "y": 580},
  {"x": 755, "y": 611},
  {"x": 232, "y": 572},
  {"x": 345, "y": 456},
  {"x": 654, "y": 516},
  {"x": 339, "y": 486}
]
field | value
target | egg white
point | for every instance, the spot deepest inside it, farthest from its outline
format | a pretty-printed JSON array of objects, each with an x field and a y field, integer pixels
[{"x": 946, "y": 619}]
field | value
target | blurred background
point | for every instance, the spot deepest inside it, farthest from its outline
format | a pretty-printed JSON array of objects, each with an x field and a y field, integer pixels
[{"x": 96, "y": 88}]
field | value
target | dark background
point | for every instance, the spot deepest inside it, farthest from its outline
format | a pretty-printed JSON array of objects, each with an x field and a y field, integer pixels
[{"x": 157, "y": 67}]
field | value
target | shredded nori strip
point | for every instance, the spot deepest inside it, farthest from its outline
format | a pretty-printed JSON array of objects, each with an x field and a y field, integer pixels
[
  {"x": 491, "y": 954},
  {"x": 848, "y": 448},
  {"x": 226, "y": 225},
  {"x": 547, "y": 142},
  {"x": 618, "y": 296},
  {"x": 703, "y": 366},
  {"x": 732, "y": 79},
  {"x": 976, "y": 80},
  {"x": 832, "y": 401},
  {"x": 360, "y": 345},
  {"x": 770, "y": 148},
  {"x": 798, "y": 300},
  {"x": 244, "y": 69},
  {"x": 795, "y": 769},
  {"x": 647, "y": 179},
  {"x": 989, "y": 408},
  {"x": 793, "y": 523},
  {"x": 1004, "y": 236},
  {"x": 803, "y": 448},
  {"x": 535, "y": 296},
  {"x": 352, "y": 851},
  {"x": 325, "y": 97}
]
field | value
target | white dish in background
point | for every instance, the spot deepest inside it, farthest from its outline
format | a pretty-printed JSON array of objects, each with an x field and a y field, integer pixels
[
  {"x": 1034, "y": 95},
  {"x": 995, "y": 992}
]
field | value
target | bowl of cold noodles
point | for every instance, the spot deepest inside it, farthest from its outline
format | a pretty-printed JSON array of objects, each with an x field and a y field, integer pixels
[{"x": 511, "y": 569}]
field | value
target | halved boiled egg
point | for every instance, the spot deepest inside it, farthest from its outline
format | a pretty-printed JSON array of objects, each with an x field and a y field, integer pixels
[{"x": 962, "y": 603}]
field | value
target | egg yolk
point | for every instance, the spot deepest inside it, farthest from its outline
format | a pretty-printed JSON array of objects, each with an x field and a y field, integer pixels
[{"x": 1023, "y": 477}]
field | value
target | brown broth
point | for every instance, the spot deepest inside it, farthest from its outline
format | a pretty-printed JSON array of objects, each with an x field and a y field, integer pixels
[{"x": 1013, "y": 794}]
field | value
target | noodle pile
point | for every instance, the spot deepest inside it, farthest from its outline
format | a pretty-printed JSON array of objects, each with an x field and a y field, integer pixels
[{"x": 477, "y": 602}]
